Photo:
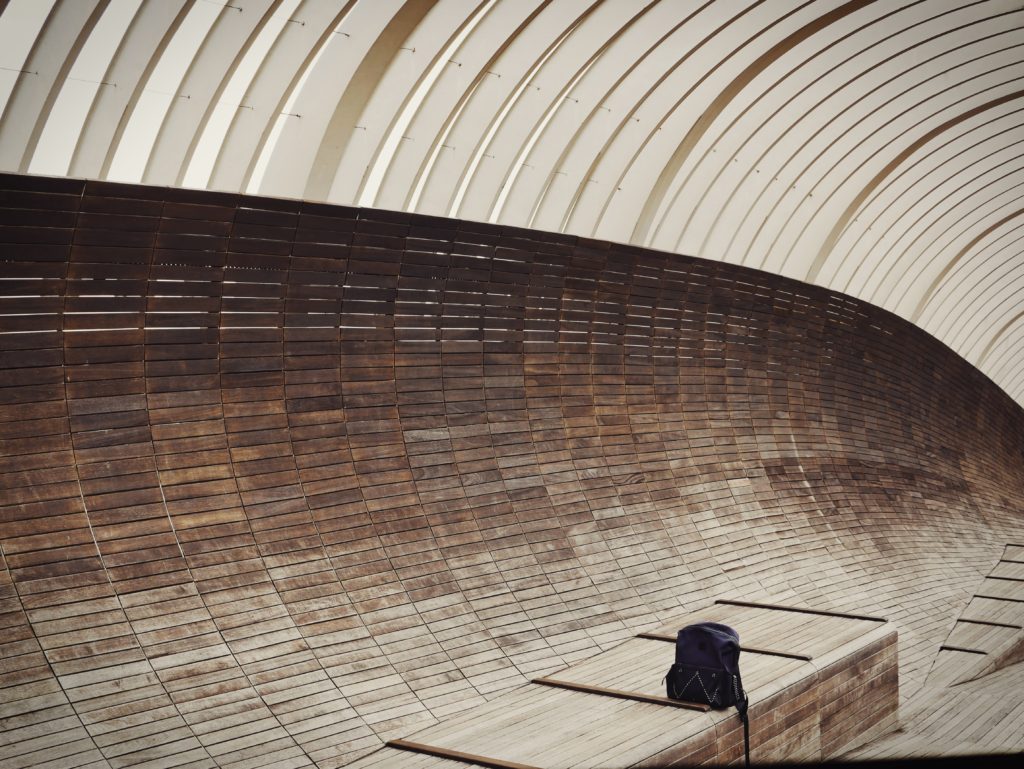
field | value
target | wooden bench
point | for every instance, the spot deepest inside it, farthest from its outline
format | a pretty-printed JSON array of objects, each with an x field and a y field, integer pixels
[{"x": 820, "y": 684}]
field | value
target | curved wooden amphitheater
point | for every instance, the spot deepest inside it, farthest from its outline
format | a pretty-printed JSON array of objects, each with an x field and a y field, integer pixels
[{"x": 282, "y": 481}]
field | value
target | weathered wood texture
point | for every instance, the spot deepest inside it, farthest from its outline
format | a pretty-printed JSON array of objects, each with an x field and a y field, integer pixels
[
  {"x": 800, "y": 710},
  {"x": 281, "y": 481},
  {"x": 989, "y": 633}
]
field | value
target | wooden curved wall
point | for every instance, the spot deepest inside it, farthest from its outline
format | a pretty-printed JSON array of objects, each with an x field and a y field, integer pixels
[{"x": 281, "y": 480}]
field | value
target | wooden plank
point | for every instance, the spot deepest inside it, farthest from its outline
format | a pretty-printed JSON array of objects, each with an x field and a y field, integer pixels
[
  {"x": 748, "y": 649},
  {"x": 800, "y": 610},
  {"x": 950, "y": 648},
  {"x": 991, "y": 623},
  {"x": 999, "y": 598},
  {"x": 455, "y": 755},
  {"x": 605, "y": 692}
]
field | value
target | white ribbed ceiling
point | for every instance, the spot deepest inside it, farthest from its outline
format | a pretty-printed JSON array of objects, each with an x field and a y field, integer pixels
[{"x": 875, "y": 148}]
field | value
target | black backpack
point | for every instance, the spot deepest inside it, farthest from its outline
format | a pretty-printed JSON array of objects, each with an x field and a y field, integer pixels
[{"x": 707, "y": 670}]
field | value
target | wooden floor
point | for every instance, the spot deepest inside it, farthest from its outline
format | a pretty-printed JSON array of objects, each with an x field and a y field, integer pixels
[
  {"x": 989, "y": 633},
  {"x": 280, "y": 482},
  {"x": 978, "y": 717}
]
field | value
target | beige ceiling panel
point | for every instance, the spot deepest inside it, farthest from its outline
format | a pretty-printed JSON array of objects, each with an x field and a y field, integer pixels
[
  {"x": 556, "y": 47},
  {"x": 646, "y": 96},
  {"x": 467, "y": 137},
  {"x": 60, "y": 39},
  {"x": 947, "y": 237},
  {"x": 1005, "y": 365},
  {"x": 307, "y": 31},
  {"x": 902, "y": 212},
  {"x": 760, "y": 51},
  {"x": 952, "y": 312},
  {"x": 755, "y": 148},
  {"x": 198, "y": 164},
  {"x": 65, "y": 121},
  {"x": 859, "y": 158},
  {"x": 470, "y": 62},
  {"x": 292, "y": 155},
  {"x": 639, "y": 57},
  {"x": 161, "y": 89},
  {"x": 857, "y": 108},
  {"x": 996, "y": 309},
  {"x": 150, "y": 30},
  {"x": 837, "y": 270},
  {"x": 211, "y": 69},
  {"x": 998, "y": 338},
  {"x": 396, "y": 95},
  {"x": 344, "y": 132},
  {"x": 970, "y": 109},
  {"x": 975, "y": 191},
  {"x": 863, "y": 158},
  {"x": 20, "y": 25},
  {"x": 847, "y": 72},
  {"x": 986, "y": 219},
  {"x": 579, "y": 100},
  {"x": 678, "y": 112},
  {"x": 658, "y": 42},
  {"x": 698, "y": 198},
  {"x": 1004, "y": 223},
  {"x": 909, "y": 288},
  {"x": 557, "y": 92}
]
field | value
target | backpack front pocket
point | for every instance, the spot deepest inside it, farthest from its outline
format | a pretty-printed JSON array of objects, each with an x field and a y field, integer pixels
[{"x": 696, "y": 684}]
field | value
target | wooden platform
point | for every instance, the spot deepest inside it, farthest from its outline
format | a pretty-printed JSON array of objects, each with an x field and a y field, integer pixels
[
  {"x": 280, "y": 482},
  {"x": 844, "y": 695}
]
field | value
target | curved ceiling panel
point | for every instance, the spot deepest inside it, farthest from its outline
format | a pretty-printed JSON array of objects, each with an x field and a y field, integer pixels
[{"x": 872, "y": 148}]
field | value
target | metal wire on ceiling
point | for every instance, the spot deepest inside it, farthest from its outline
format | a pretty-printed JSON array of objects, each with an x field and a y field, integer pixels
[{"x": 875, "y": 148}]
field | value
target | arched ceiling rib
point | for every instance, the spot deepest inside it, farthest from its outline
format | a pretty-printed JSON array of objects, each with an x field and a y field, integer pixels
[{"x": 876, "y": 148}]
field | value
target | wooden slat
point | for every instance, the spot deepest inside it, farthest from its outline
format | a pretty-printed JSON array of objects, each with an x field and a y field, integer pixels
[
  {"x": 1000, "y": 598},
  {"x": 748, "y": 649},
  {"x": 991, "y": 623},
  {"x": 605, "y": 692},
  {"x": 455, "y": 755},
  {"x": 800, "y": 610},
  {"x": 948, "y": 647}
]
